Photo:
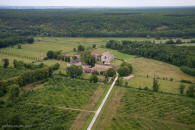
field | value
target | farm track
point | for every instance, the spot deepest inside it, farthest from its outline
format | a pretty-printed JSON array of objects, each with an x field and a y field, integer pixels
[
  {"x": 102, "y": 104},
  {"x": 63, "y": 108}
]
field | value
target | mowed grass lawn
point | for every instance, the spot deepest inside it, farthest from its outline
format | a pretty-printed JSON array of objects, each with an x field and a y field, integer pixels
[{"x": 139, "y": 109}]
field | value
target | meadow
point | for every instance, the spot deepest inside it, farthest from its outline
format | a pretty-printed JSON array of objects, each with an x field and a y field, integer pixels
[{"x": 140, "y": 109}]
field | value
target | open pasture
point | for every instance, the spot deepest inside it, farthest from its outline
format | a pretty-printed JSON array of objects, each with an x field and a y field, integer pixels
[
  {"x": 150, "y": 67},
  {"x": 165, "y": 85}
]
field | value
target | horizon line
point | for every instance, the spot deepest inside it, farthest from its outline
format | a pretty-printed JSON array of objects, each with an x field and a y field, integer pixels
[{"x": 152, "y": 6}]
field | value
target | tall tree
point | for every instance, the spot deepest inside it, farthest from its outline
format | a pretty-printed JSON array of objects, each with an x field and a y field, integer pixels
[
  {"x": 156, "y": 85},
  {"x": 87, "y": 58},
  {"x": 190, "y": 92},
  {"x": 81, "y": 48},
  {"x": 5, "y": 63},
  {"x": 181, "y": 88}
]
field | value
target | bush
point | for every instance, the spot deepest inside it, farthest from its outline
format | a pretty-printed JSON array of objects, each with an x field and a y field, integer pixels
[
  {"x": 2, "y": 91},
  {"x": 19, "y": 46},
  {"x": 186, "y": 81},
  {"x": 81, "y": 48},
  {"x": 190, "y": 91},
  {"x": 67, "y": 58},
  {"x": 181, "y": 88},
  {"x": 123, "y": 71},
  {"x": 74, "y": 71},
  {"x": 93, "y": 78},
  {"x": 5, "y": 63},
  {"x": 14, "y": 92},
  {"x": 119, "y": 82},
  {"x": 170, "y": 42},
  {"x": 146, "y": 88}
]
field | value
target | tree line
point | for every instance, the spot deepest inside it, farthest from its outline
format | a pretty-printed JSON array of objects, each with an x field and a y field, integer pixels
[
  {"x": 14, "y": 40},
  {"x": 176, "y": 55},
  {"x": 28, "y": 77}
]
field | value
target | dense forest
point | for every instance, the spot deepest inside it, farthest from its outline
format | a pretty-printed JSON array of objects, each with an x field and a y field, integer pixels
[
  {"x": 156, "y": 22},
  {"x": 176, "y": 55}
]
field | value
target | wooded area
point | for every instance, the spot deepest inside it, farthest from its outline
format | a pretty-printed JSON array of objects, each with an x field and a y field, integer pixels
[{"x": 157, "y": 22}]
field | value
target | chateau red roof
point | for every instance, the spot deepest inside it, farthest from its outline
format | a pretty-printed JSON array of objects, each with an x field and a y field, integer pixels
[{"x": 96, "y": 53}]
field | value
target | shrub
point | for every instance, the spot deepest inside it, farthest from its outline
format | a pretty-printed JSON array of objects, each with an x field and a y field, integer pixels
[
  {"x": 5, "y": 63},
  {"x": 119, "y": 82},
  {"x": 178, "y": 41},
  {"x": 93, "y": 78},
  {"x": 170, "y": 42},
  {"x": 13, "y": 93},
  {"x": 2, "y": 91},
  {"x": 146, "y": 88},
  {"x": 94, "y": 45},
  {"x": 74, "y": 71},
  {"x": 81, "y": 48},
  {"x": 190, "y": 91},
  {"x": 186, "y": 81},
  {"x": 123, "y": 71},
  {"x": 19, "y": 46},
  {"x": 181, "y": 88}
]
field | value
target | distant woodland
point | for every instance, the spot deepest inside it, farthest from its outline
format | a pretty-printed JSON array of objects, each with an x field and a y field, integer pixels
[{"x": 100, "y": 22}]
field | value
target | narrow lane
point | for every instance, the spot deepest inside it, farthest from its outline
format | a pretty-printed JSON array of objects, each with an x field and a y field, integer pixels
[{"x": 102, "y": 104}]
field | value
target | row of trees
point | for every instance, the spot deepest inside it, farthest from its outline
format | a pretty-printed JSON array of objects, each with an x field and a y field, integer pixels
[
  {"x": 176, "y": 55},
  {"x": 178, "y": 41},
  {"x": 190, "y": 92},
  {"x": 30, "y": 76},
  {"x": 21, "y": 64}
]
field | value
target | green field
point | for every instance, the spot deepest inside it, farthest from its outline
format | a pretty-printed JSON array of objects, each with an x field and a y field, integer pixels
[
  {"x": 140, "y": 109},
  {"x": 10, "y": 72},
  {"x": 141, "y": 66},
  {"x": 66, "y": 103},
  {"x": 53, "y": 105}
]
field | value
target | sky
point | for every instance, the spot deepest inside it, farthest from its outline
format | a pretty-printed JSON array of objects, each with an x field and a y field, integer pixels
[{"x": 107, "y": 3}]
